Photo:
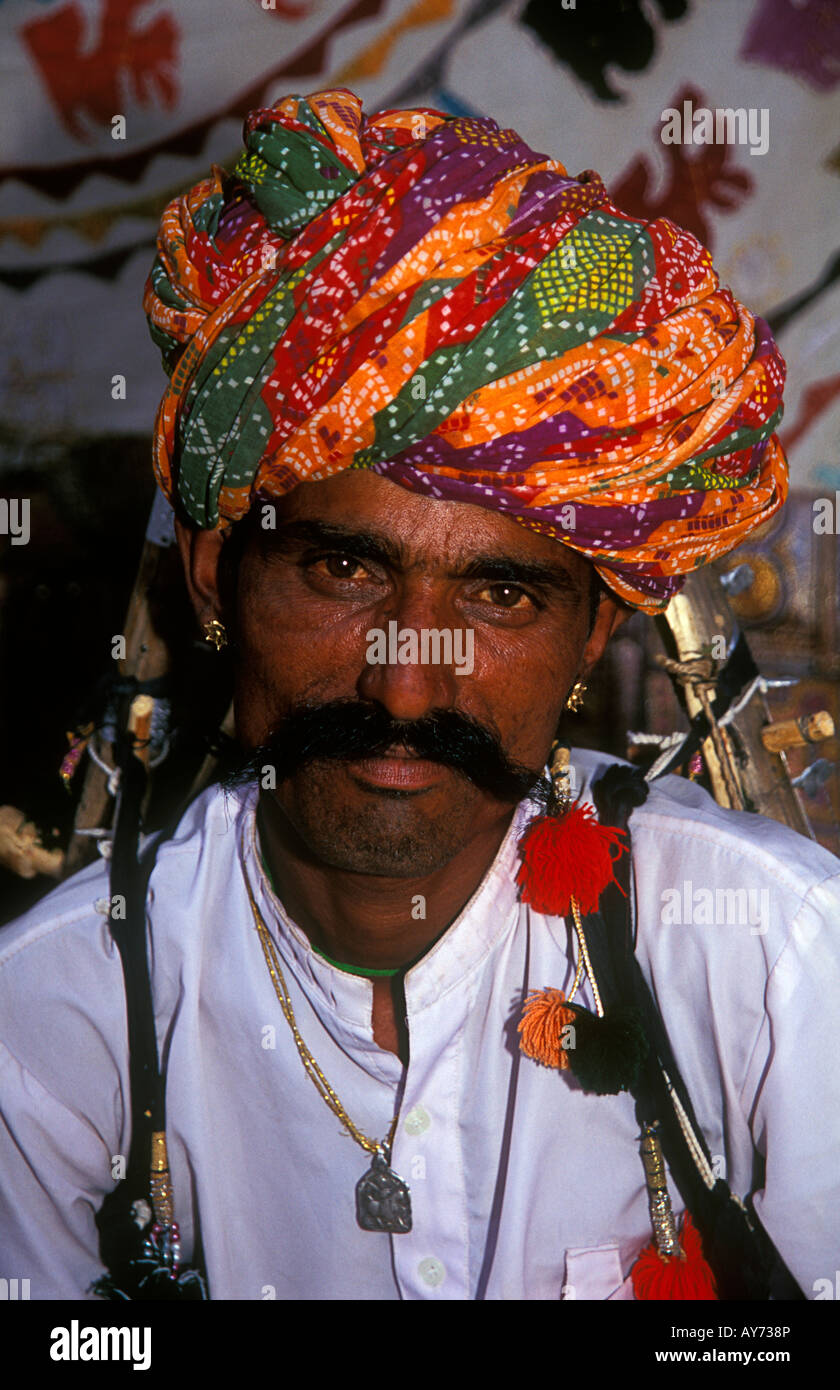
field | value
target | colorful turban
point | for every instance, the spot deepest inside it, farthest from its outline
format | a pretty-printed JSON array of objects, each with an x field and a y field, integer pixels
[{"x": 426, "y": 297}]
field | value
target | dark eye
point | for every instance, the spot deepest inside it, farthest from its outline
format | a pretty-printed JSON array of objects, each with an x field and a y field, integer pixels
[
  {"x": 503, "y": 595},
  {"x": 339, "y": 566}
]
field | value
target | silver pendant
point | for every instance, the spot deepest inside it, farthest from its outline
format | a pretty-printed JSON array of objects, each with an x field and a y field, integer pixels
[{"x": 382, "y": 1200}]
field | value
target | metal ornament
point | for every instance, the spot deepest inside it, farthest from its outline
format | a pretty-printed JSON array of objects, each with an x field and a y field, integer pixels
[
  {"x": 659, "y": 1201},
  {"x": 215, "y": 632},
  {"x": 576, "y": 694},
  {"x": 382, "y": 1199}
]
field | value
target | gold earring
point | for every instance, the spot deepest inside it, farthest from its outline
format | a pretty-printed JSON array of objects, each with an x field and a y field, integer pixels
[
  {"x": 575, "y": 700},
  {"x": 214, "y": 632}
]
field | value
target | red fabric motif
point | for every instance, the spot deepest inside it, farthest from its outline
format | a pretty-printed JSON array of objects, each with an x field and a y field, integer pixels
[
  {"x": 91, "y": 81},
  {"x": 707, "y": 178}
]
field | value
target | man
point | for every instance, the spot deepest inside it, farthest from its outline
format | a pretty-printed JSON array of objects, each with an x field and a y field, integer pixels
[{"x": 423, "y": 382}]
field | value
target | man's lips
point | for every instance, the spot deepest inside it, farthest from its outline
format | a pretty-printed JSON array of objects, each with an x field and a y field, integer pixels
[{"x": 397, "y": 768}]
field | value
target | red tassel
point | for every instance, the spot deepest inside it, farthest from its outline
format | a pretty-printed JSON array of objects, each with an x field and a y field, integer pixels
[
  {"x": 678, "y": 1277},
  {"x": 565, "y": 857}
]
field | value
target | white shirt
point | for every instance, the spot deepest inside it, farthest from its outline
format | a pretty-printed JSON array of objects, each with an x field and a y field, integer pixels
[{"x": 268, "y": 1174}]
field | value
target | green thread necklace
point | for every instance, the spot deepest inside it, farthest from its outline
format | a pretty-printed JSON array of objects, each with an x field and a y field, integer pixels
[{"x": 365, "y": 970}]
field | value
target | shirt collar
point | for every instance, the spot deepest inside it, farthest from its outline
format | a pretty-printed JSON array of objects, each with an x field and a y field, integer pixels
[{"x": 482, "y": 923}]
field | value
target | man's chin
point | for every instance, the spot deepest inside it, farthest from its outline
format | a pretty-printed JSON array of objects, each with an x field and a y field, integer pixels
[{"x": 370, "y": 818}]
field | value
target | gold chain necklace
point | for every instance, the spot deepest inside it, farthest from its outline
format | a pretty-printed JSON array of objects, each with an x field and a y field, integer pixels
[{"x": 382, "y": 1197}]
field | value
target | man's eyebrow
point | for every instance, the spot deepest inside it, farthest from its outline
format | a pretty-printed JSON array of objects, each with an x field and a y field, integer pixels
[
  {"x": 508, "y": 570},
  {"x": 323, "y": 535},
  {"x": 372, "y": 545}
]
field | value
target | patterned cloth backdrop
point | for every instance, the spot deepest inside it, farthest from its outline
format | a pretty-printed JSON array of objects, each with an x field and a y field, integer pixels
[{"x": 81, "y": 189}]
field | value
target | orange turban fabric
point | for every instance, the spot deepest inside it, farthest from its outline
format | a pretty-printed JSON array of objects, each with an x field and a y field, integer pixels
[{"x": 429, "y": 298}]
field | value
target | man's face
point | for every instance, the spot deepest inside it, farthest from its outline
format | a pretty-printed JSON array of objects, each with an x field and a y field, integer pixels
[{"x": 355, "y": 553}]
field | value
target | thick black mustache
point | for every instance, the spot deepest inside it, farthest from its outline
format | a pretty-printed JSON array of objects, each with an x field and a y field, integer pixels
[{"x": 348, "y": 730}]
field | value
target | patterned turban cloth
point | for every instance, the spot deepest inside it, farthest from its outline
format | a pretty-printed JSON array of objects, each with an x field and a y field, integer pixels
[{"x": 428, "y": 298}]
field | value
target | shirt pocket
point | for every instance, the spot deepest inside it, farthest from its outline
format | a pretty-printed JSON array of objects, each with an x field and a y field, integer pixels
[{"x": 594, "y": 1272}]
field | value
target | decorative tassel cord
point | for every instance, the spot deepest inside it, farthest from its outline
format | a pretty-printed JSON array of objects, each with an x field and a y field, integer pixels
[
  {"x": 701, "y": 1163},
  {"x": 584, "y": 962},
  {"x": 567, "y": 864}
]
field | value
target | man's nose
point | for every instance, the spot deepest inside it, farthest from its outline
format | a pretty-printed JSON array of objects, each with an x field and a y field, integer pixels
[{"x": 409, "y": 683}]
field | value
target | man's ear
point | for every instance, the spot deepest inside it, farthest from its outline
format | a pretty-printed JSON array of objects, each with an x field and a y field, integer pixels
[
  {"x": 200, "y": 555},
  {"x": 609, "y": 617}
]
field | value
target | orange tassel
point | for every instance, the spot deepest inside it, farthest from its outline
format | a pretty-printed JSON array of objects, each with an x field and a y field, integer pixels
[
  {"x": 678, "y": 1277},
  {"x": 542, "y": 1023},
  {"x": 565, "y": 857}
]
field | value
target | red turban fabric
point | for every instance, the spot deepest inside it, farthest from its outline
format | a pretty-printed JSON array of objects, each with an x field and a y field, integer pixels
[{"x": 428, "y": 298}]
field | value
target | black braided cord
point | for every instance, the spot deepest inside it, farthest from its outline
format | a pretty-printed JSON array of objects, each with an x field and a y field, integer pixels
[
  {"x": 136, "y": 1269},
  {"x": 745, "y": 1263}
]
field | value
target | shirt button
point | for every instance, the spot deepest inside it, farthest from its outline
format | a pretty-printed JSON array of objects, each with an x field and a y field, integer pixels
[
  {"x": 417, "y": 1121},
  {"x": 431, "y": 1271}
]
